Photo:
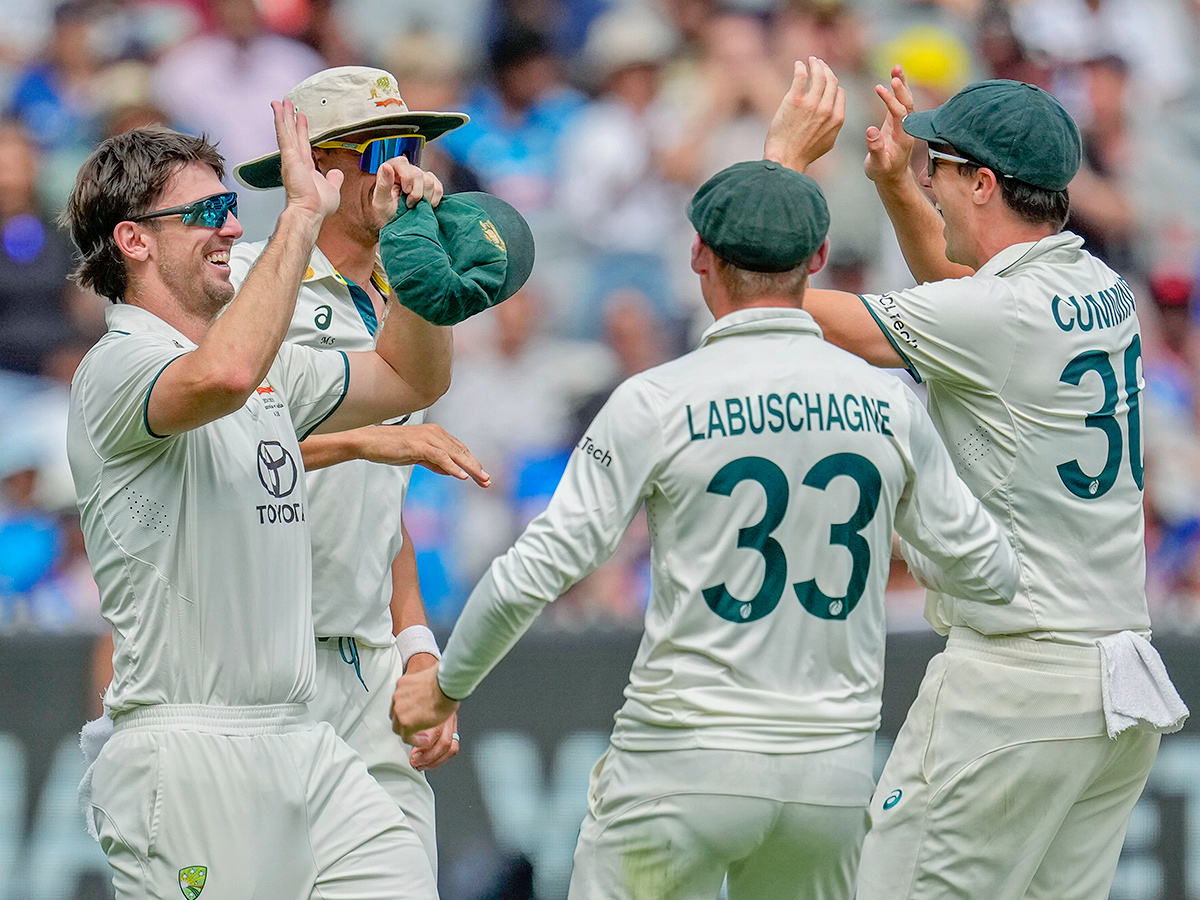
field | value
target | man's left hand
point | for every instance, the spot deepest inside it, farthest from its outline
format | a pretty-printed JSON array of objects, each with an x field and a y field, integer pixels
[
  {"x": 398, "y": 177},
  {"x": 439, "y": 744},
  {"x": 418, "y": 703}
]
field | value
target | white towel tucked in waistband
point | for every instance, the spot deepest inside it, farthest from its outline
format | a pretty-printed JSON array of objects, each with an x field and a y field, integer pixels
[
  {"x": 1136, "y": 689},
  {"x": 92, "y": 738}
]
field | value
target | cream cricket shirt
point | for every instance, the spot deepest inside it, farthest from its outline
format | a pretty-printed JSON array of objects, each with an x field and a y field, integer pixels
[
  {"x": 354, "y": 506},
  {"x": 199, "y": 540},
  {"x": 773, "y": 467},
  {"x": 1035, "y": 376}
]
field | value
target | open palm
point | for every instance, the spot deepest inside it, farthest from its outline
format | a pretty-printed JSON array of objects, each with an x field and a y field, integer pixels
[
  {"x": 306, "y": 187},
  {"x": 889, "y": 147}
]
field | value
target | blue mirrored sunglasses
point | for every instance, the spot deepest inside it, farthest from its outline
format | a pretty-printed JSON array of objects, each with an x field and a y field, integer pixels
[
  {"x": 210, "y": 212},
  {"x": 377, "y": 151}
]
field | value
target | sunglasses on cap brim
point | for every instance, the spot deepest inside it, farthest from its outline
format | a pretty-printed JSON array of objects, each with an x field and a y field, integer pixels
[
  {"x": 209, "y": 212},
  {"x": 375, "y": 152}
]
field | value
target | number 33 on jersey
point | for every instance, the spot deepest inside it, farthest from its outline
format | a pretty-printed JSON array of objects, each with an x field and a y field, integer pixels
[{"x": 774, "y": 468}]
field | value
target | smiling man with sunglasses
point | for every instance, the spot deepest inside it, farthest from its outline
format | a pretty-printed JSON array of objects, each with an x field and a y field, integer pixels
[
  {"x": 183, "y": 441},
  {"x": 1016, "y": 772},
  {"x": 365, "y": 587}
]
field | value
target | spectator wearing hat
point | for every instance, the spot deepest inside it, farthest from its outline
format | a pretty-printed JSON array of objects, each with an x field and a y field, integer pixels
[
  {"x": 369, "y": 619},
  {"x": 613, "y": 194},
  {"x": 773, "y": 467},
  {"x": 1016, "y": 772}
]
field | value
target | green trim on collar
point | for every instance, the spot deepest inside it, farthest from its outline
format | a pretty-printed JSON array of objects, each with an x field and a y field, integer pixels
[{"x": 362, "y": 302}]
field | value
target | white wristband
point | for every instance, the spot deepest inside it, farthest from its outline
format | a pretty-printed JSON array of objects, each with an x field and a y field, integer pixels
[{"x": 416, "y": 639}]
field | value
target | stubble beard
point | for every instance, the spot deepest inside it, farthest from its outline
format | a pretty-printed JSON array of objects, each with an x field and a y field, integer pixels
[{"x": 196, "y": 293}]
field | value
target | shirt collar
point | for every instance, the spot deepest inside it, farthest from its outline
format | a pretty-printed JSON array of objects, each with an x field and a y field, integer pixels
[
  {"x": 1064, "y": 243},
  {"x": 761, "y": 318},
  {"x": 136, "y": 320},
  {"x": 320, "y": 268}
]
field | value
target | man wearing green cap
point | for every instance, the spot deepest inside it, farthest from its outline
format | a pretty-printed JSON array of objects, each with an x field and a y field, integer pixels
[
  {"x": 774, "y": 468},
  {"x": 367, "y": 610},
  {"x": 1034, "y": 731}
]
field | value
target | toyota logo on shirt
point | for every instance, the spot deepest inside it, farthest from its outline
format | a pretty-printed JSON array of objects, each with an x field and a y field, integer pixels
[{"x": 276, "y": 468}]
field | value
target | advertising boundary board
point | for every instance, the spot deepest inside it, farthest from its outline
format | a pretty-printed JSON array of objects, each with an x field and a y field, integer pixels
[{"x": 514, "y": 797}]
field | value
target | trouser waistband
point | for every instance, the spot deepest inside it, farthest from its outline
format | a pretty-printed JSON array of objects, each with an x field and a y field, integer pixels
[
  {"x": 1026, "y": 651},
  {"x": 228, "y": 720}
]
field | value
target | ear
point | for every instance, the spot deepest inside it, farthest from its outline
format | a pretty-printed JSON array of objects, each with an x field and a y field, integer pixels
[
  {"x": 987, "y": 185},
  {"x": 133, "y": 240},
  {"x": 817, "y": 263},
  {"x": 701, "y": 256}
]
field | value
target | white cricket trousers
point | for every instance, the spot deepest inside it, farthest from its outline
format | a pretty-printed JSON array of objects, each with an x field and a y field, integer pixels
[
  {"x": 357, "y": 701},
  {"x": 1003, "y": 783},
  {"x": 248, "y": 803},
  {"x": 673, "y": 824}
]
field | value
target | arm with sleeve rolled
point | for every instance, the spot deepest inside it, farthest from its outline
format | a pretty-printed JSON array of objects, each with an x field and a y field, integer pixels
[
  {"x": 580, "y": 529},
  {"x": 951, "y": 542}
]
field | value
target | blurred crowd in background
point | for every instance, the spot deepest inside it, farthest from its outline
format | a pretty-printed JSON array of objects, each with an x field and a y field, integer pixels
[{"x": 597, "y": 119}]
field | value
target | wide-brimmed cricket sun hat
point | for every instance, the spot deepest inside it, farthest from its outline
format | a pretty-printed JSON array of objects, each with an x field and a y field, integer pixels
[{"x": 349, "y": 100}]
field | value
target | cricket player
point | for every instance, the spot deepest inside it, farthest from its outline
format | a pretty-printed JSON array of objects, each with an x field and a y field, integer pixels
[
  {"x": 774, "y": 467},
  {"x": 1015, "y": 773},
  {"x": 365, "y": 585},
  {"x": 183, "y": 435}
]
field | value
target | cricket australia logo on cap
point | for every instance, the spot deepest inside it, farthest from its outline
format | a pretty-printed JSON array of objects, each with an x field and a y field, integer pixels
[
  {"x": 493, "y": 236},
  {"x": 191, "y": 881},
  {"x": 384, "y": 93},
  {"x": 276, "y": 468}
]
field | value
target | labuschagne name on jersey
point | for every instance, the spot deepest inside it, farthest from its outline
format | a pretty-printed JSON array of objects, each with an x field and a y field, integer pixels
[
  {"x": 602, "y": 456},
  {"x": 279, "y": 475},
  {"x": 733, "y": 416},
  {"x": 1104, "y": 309}
]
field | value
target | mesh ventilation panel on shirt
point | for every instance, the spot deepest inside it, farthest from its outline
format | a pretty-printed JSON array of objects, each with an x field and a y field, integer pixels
[{"x": 974, "y": 447}]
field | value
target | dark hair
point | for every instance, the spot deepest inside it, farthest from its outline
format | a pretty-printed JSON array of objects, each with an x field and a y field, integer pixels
[
  {"x": 1035, "y": 205},
  {"x": 124, "y": 177},
  {"x": 516, "y": 44}
]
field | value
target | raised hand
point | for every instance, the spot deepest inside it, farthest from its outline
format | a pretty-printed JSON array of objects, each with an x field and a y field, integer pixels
[
  {"x": 889, "y": 147},
  {"x": 399, "y": 176},
  {"x": 306, "y": 187},
  {"x": 808, "y": 120}
]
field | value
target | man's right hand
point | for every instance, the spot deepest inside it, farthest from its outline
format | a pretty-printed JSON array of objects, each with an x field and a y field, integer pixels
[
  {"x": 889, "y": 147},
  {"x": 307, "y": 189}
]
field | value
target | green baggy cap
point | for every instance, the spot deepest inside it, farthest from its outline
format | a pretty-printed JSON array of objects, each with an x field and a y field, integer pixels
[
  {"x": 761, "y": 216},
  {"x": 449, "y": 263},
  {"x": 1013, "y": 128}
]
